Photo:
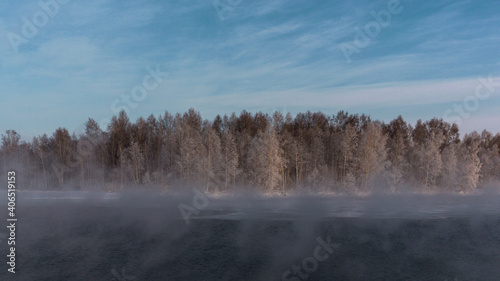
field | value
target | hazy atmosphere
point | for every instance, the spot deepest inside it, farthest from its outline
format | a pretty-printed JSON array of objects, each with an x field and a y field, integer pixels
[{"x": 250, "y": 140}]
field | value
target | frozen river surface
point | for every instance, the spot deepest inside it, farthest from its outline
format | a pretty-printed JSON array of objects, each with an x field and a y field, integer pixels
[{"x": 89, "y": 236}]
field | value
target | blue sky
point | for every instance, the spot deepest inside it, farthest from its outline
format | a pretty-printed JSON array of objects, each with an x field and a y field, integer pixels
[{"x": 85, "y": 56}]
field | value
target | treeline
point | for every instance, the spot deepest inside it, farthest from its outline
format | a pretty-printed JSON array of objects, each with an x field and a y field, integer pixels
[{"x": 311, "y": 151}]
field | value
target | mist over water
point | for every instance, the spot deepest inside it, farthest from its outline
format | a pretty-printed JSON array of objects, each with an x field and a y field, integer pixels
[
  {"x": 170, "y": 140},
  {"x": 98, "y": 236}
]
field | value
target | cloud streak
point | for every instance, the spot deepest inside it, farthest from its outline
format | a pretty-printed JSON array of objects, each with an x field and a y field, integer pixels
[{"x": 267, "y": 55}]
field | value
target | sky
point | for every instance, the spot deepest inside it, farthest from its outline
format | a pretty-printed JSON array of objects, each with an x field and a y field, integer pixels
[{"x": 64, "y": 61}]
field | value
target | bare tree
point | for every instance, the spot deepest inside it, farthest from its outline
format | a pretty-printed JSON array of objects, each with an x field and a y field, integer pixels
[
  {"x": 213, "y": 158},
  {"x": 230, "y": 158},
  {"x": 10, "y": 144},
  {"x": 41, "y": 147},
  {"x": 347, "y": 148},
  {"x": 372, "y": 153},
  {"x": 449, "y": 172},
  {"x": 135, "y": 161},
  {"x": 265, "y": 159},
  {"x": 470, "y": 164},
  {"x": 398, "y": 143},
  {"x": 427, "y": 160},
  {"x": 274, "y": 153}
]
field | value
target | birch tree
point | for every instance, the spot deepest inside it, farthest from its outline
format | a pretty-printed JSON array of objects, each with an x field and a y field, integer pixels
[
  {"x": 398, "y": 144},
  {"x": 136, "y": 161},
  {"x": 40, "y": 148},
  {"x": 470, "y": 164},
  {"x": 230, "y": 156},
  {"x": 489, "y": 157},
  {"x": 10, "y": 144},
  {"x": 264, "y": 157},
  {"x": 347, "y": 148},
  {"x": 62, "y": 145},
  {"x": 427, "y": 160},
  {"x": 213, "y": 158},
  {"x": 372, "y": 154},
  {"x": 449, "y": 172}
]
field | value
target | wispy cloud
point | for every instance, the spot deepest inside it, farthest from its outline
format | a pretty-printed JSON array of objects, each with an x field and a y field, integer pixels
[{"x": 268, "y": 54}]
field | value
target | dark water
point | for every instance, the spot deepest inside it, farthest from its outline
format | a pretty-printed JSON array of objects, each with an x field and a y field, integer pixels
[{"x": 136, "y": 240}]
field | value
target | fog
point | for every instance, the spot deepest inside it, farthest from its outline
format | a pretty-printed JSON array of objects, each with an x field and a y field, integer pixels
[{"x": 191, "y": 236}]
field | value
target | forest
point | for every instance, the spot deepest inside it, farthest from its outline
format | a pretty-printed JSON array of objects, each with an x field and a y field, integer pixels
[{"x": 278, "y": 154}]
